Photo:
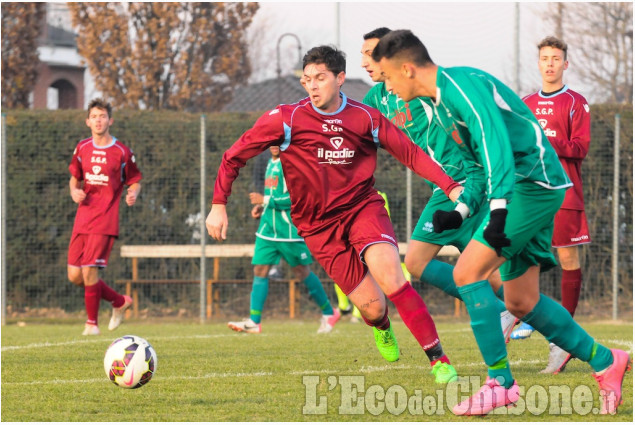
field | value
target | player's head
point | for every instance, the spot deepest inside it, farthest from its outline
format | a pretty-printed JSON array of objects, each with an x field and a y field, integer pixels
[
  {"x": 324, "y": 73},
  {"x": 552, "y": 59},
  {"x": 399, "y": 53},
  {"x": 370, "y": 41},
  {"x": 99, "y": 117},
  {"x": 275, "y": 151}
]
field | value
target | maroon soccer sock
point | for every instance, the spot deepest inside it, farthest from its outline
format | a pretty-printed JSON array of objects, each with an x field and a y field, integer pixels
[
  {"x": 570, "y": 286},
  {"x": 381, "y": 324},
  {"x": 110, "y": 294},
  {"x": 414, "y": 313},
  {"x": 92, "y": 297}
]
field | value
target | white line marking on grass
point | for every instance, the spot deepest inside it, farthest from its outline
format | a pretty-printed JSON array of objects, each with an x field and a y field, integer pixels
[{"x": 102, "y": 340}]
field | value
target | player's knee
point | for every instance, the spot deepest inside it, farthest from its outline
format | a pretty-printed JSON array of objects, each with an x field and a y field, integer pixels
[
  {"x": 519, "y": 308},
  {"x": 414, "y": 267},
  {"x": 75, "y": 277},
  {"x": 261, "y": 270}
]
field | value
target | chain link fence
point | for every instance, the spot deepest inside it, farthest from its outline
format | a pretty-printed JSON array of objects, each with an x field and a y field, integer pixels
[{"x": 38, "y": 214}]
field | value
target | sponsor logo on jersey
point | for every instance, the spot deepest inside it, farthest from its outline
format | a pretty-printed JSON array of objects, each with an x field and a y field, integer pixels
[
  {"x": 548, "y": 132},
  {"x": 580, "y": 238},
  {"x": 428, "y": 227},
  {"x": 95, "y": 178},
  {"x": 98, "y": 159},
  {"x": 543, "y": 111},
  {"x": 336, "y": 157},
  {"x": 390, "y": 238},
  {"x": 96, "y": 152},
  {"x": 334, "y": 121},
  {"x": 545, "y": 102},
  {"x": 586, "y": 108},
  {"x": 274, "y": 111}
]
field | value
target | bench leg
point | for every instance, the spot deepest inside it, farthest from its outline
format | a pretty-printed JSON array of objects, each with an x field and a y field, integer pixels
[
  {"x": 128, "y": 291},
  {"x": 209, "y": 300},
  {"x": 135, "y": 303}
]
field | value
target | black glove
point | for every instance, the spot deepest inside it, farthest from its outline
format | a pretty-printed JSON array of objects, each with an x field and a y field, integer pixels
[
  {"x": 444, "y": 220},
  {"x": 494, "y": 233}
]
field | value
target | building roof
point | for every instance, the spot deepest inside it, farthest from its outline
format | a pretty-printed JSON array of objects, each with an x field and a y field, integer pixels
[{"x": 269, "y": 93}]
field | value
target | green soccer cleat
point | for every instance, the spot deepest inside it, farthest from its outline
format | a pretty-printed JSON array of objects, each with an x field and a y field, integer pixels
[
  {"x": 387, "y": 344},
  {"x": 444, "y": 373}
]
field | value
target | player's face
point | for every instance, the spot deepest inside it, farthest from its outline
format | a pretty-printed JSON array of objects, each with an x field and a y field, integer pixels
[
  {"x": 323, "y": 86},
  {"x": 372, "y": 67},
  {"x": 98, "y": 121},
  {"x": 551, "y": 64},
  {"x": 275, "y": 151},
  {"x": 396, "y": 79}
]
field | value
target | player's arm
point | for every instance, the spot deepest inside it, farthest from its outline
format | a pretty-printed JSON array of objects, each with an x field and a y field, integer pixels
[
  {"x": 132, "y": 179},
  {"x": 267, "y": 131},
  {"x": 133, "y": 193},
  {"x": 577, "y": 145},
  {"x": 77, "y": 193},
  {"x": 391, "y": 138}
]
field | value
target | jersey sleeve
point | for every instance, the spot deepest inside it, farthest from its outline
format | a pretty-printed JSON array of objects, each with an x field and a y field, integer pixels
[
  {"x": 267, "y": 131},
  {"x": 75, "y": 167},
  {"x": 577, "y": 146},
  {"x": 132, "y": 174},
  {"x": 412, "y": 156},
  {"x": 474, "y": 105}
]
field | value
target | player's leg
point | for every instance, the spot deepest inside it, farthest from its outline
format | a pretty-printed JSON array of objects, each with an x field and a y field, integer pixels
[
  {"x": 74, "y": 269},
  {"x": 569, "y": 258}
]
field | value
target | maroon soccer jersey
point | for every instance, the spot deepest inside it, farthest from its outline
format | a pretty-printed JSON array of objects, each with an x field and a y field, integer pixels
[
  {"x": 105, "y": 170},
  {"x": 328, "y": 158},
  {"x": 565, "y": 119}
]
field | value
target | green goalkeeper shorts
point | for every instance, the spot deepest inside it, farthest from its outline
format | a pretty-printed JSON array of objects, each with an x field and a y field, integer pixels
[
  {"x": 529, "y": 227},
  {"x": 424, "y": 232},
  {"x": 268, "y": 252}
]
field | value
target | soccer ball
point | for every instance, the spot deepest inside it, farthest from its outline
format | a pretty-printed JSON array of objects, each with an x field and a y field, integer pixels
[{"x": 130, "y": 362}]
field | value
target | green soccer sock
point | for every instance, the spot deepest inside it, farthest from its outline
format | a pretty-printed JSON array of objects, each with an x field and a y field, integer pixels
[
  {"x": 483, "y": 308},
  {"x": 439, "y": 274},
  {"x": 342, "y": 299},
  {"x": 556, "y": 324},
  {"x": 259, "y": 292},
  {"x": 316, "y": 290}
]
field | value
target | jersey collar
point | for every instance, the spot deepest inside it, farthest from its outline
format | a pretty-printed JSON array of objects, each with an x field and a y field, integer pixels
[{"x": 341, "y": 108}]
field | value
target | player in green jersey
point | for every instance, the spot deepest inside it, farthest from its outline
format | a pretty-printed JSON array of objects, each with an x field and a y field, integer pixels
[
  {"x": 513, "y": 164},
  {"x": 415, "y": 118},
  {"x": 277, "y": 237}
]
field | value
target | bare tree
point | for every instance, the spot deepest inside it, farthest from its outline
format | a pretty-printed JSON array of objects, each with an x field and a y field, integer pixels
[
  {"x": 600, "y": 38},
  {"x": 21, "y": 28},
  {"x": 165, "y": 55}
]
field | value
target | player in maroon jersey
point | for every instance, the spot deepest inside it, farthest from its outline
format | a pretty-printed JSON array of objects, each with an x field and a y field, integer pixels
[
  {"x": 100, "y": 167},
  {"x": 564, "y": 116},
  {"x": 328, "y": 148}
]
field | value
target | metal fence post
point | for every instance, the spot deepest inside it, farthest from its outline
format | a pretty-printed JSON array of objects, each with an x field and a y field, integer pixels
[
  {"x": 616, "y": 211},
  {"x": 203, "y": 230},
  {"x": 4, "y": 219}
]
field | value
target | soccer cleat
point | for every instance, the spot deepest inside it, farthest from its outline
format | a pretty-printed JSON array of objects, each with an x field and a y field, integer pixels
[
  {"x": 487, "y": 398},
  {"x": 558, "y": 359},
  {"x": 328, "y": 321},
  {"x": 387, "y": 344},
  {"x": 444, "y": 373},
  {"x": 523, "y": 331},
  {"x": 245, "y": 325},
  {"x": 508, "y": 321},
  {"x": 91, "y": 330},
  {"x": 610, "y": 382},
  {"x": 118, "y": 313}
]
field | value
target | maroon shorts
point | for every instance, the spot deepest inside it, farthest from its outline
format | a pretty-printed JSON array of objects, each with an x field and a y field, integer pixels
[
  {"x": 88, "y": 250},
  {"x": 570, "y": 228},
  {"x": 339, "y": 248}
]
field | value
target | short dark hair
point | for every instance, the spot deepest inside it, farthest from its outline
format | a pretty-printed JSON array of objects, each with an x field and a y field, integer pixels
[
  {"x": 402, "y": 43},
  {"x": 334, "y": 59},
  {"x": 376, "y": 33},
  {"x": 555, "y": 42},
  {"x": 100, "y": 103}
]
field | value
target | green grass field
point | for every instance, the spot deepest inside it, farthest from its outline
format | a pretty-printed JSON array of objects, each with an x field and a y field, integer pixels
[{"x": 208, "y": 373}]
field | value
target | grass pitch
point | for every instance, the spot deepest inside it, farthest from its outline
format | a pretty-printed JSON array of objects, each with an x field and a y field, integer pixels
[{"x": 288, "y": 373}]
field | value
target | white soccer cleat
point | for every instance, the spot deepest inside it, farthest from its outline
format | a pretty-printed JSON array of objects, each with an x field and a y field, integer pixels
[
  {"x": 558, "y": 359},
  {"x": 91, "y": 330},
  {"x": 118, "y": 313},
  {"x": 508, "y": 321},
  {"x": 328, "y": 321},
  {"x": 245, "y": 325}
]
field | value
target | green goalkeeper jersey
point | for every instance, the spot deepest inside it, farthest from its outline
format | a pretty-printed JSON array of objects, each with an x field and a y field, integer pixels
[
  {"x": 499, "y": 138},
  {"x": 416, "y": 119},
  {"x": 275, "y": 222}
]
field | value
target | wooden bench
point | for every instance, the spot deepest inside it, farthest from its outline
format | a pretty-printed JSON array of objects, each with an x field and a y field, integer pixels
[{"x": 215, "y": 251}]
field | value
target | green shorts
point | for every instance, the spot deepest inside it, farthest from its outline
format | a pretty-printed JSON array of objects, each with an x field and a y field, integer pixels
[
  {"x": 424, "y": 232},
  {"x": 529, "y": 226},
  {"x": 268, "y": 252}
]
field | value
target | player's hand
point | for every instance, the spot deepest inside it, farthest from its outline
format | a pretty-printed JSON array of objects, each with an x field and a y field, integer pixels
[
  {"x": 455, "y": 193},
  {"x": 494, "y": 232},
  {"x": 256, "y": 211},
  {"x": 256, "y": 198},
  {"x": 131, "y": 196},
  {"x": 78, "y": 195},
  {"x": 216, "y": 222},
  {"x": 444, "y": 220}
]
